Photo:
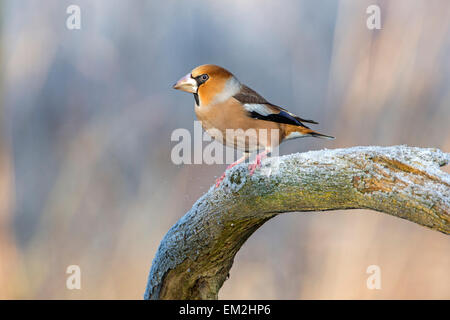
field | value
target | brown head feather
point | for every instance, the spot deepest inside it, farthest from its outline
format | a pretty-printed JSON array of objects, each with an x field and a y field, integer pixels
[{"x": 218, "y": 77}]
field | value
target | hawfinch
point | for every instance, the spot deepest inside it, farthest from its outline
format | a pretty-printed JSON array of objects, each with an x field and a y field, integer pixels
[{"x": 238, "y": 117}]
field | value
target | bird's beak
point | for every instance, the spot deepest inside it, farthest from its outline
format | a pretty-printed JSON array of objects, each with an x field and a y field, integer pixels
[{"x": 187, "y": 83}]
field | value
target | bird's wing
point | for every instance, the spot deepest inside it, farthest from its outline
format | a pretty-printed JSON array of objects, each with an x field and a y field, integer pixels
[{"x": 259, "y": 108}]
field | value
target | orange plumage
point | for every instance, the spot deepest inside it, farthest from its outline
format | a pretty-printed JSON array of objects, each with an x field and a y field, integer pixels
[{"x": 222, "y": 103}]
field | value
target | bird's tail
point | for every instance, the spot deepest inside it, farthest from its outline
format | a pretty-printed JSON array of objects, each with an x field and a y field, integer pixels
[
  {"x": 320, "y": 135},
  {"x": 294, "y": 132}
]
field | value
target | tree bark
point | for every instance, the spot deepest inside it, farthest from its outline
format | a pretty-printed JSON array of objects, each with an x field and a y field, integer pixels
[{"x": 195, "y": 256}]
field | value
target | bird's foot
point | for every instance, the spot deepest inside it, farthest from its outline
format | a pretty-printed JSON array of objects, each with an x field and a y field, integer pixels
[
  {"x": 220, "y": 179},
  {"x": 253, "y": 166}
]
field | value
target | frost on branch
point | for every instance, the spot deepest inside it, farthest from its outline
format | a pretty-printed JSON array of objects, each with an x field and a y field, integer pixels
[{"x": 194, "y": 258}]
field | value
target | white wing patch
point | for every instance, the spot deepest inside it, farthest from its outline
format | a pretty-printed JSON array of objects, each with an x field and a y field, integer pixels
[
  {"x": 294, "y": 135},
  {"x": 262, "y": 109}
]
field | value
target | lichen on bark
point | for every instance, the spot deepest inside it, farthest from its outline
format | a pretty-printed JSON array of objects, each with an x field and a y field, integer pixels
[{"x": 194, "y": 258}]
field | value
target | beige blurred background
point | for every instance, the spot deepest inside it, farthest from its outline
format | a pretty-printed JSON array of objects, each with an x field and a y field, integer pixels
[{"x": 86, "y": 117}]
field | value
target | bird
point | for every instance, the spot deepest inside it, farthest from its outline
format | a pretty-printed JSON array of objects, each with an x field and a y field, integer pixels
[{"x": 223, "y": 103}]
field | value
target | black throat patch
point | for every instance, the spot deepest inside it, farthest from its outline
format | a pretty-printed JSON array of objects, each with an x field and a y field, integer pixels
[{"x": 197, "y": 101}]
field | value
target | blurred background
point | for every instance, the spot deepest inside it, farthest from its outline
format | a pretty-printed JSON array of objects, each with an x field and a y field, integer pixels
[{"x": 86, "y": 117}]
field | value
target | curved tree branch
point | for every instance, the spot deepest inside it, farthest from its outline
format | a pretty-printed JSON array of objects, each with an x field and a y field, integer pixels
[{"x": 195, "y": 256}]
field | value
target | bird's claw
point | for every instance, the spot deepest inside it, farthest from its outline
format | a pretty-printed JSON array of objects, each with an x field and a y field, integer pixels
[
  {"x": 252, "y": 167},
  {"x": 220, "y": 179}
]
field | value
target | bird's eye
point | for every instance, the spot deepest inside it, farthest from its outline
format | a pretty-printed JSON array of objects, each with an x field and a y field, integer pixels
[{"x": 201, "y": 79}]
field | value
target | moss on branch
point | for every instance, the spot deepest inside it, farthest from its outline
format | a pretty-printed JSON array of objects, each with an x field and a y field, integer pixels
[{"x": 195, "y": 256}]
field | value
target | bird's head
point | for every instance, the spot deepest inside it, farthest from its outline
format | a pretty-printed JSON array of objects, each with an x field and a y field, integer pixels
[{"x": 209, "y": 84}]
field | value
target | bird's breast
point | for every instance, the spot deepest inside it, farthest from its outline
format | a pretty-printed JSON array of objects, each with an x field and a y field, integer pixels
[{"x": 229, "y": 124}]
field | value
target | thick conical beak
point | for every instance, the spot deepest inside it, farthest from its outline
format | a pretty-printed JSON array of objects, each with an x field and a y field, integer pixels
[{"x": 186, "y": 84}]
